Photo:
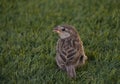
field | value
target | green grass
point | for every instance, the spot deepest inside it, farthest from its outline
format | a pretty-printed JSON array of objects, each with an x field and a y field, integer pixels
[{"x": 27, "y": 43}]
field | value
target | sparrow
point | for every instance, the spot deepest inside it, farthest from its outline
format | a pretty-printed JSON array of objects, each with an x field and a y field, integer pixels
[{"x": 69, "y": 50}]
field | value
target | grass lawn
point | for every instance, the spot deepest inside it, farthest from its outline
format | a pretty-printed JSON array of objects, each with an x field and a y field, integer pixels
[{"x": 27, "y": 43}]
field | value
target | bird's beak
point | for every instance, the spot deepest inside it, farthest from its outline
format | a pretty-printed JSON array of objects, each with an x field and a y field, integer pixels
[{"x": 56, "y": 29}]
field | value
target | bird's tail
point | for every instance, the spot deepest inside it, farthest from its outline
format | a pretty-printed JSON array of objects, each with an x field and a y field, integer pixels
[{"x": 71, "y": 71}]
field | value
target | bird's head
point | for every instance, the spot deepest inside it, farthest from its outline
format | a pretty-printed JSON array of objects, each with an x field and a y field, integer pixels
[{"x": 65, "y": 31}]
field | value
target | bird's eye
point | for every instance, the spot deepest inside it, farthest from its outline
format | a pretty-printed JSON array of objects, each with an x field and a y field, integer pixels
[{"x": 63, "y": 29}]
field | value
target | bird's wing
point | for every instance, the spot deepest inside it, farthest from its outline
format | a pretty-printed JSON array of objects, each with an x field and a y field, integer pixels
[
  {"x": 72, "y": 54},
  {"x": 69, "y": 51}
]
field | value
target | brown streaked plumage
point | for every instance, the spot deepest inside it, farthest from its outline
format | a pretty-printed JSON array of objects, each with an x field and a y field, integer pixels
[{"x": 70, "y": 52}]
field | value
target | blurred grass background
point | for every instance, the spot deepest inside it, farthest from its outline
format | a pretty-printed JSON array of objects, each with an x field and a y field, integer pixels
[{"x": 27, "y": 43}]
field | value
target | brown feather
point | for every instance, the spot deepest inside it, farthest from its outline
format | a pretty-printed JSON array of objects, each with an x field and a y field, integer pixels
[{"x": 70, "y": 51}]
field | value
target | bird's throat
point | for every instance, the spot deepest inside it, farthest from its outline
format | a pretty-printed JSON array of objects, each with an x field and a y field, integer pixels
[{"x": 64, "y": 35}]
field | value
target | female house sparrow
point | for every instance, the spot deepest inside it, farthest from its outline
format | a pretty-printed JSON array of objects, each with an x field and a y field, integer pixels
[{"x": 70, "y": 52}]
